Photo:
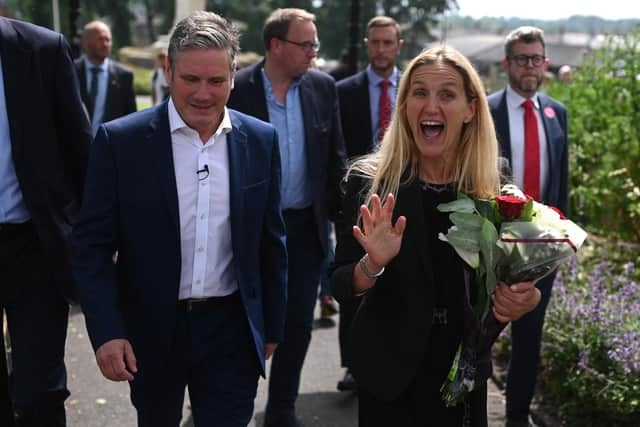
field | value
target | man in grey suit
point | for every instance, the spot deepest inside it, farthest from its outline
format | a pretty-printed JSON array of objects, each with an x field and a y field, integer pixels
[{"x": 106, "y": 86}]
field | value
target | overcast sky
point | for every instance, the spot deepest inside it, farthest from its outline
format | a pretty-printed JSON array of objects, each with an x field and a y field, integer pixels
[{"x": 551, "y": 9}]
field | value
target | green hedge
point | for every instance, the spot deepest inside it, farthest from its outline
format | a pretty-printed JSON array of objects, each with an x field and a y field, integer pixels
[{"x": 603, "y": 100}]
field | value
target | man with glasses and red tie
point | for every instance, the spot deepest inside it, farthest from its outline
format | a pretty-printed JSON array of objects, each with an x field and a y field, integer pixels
[
  {"x": 532, "y": 132},
  {"x": 302, "y": 104},
  {"x": 366, "y": 104}
]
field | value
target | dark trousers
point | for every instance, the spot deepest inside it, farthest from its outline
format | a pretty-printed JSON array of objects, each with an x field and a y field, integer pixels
[
  {"x": 6, "y": 407},
  {"x": 526, "y": 337},
  {"x": 347, "y": 313},
  {"x": 213, "y": 354},
  {"x": 305, "y": 262},
  {"x": 421, "y": 406},
  {"x": 325, "y": 283},
  {"x": 37, "y": 316}
]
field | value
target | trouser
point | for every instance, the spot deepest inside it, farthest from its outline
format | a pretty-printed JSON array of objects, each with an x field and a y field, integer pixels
[
  {"x": 305, "y": 262},
  {"x": 526, "y": 338},
  {"x": 37, "y": 316},
  {"x": 213, "y": 355}
]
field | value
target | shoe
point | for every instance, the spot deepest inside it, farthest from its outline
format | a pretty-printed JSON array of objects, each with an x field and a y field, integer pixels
[
  {"x": 347, "y": 383},
  {"x": 328, "y": 306},
  {"x": 284, "y": 420}
]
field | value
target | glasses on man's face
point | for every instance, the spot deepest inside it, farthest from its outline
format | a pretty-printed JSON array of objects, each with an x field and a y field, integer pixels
[
  {"x": 523, "y": 60},
  {"x": 307, "y": 47}
]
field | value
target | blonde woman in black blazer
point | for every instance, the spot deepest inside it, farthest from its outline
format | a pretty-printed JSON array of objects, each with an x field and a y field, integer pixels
[{"x": 405, "y": 334}]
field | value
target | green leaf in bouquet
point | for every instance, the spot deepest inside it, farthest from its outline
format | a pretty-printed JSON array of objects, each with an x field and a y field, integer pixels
[
  {"x": 466, "y": 221},
  {"x": 490, "y": 253},
  {"x": 464, "y": 239},
  {"x": 462, "y": 204},
  {"x": 486, "y": 209}
]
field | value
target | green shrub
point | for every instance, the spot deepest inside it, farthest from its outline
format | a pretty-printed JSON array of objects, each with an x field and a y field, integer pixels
[
  {"x": 591, "y": 345},
  {"x": 603, "y": 100},
  {"x": 141, "y": 80}
]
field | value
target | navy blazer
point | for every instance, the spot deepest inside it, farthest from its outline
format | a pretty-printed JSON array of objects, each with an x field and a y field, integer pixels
[
  {"x": 323, "y": 134},
  {"x": 131, "y": 205},
  {"x": 555, "y": 128},
  {"x": 50, "y": 135},
  {"x": 121, "y": 96},
  {"x": 355, "y": 111}
]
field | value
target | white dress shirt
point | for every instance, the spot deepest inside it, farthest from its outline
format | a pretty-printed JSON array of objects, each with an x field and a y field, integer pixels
[
  {"x": 516, "y": 133},
  {"x": 202, "y": 180}
]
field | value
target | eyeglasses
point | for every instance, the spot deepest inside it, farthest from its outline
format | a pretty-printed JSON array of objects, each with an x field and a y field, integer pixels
[
  {"x": 523, "y": 60},
  {"x": 307, "y": 47}
]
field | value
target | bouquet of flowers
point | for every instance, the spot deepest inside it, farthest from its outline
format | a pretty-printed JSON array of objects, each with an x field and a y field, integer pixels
[{"x": 509, "y": 239}]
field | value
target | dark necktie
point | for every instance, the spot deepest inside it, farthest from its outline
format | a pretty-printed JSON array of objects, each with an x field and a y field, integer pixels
[
  {"x": 384, "y": 108},
  {"x": 93, "y": 91},
  {"x": 531, "y": 151}
]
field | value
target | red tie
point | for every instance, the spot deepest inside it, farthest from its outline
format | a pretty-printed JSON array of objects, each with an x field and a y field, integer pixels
[
  {"x": 384, "y": 107},
  {"x": 531, "y": 151}
]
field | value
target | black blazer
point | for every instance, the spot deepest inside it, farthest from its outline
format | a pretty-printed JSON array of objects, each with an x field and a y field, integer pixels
[
  {"x": 554, "y": 119},
  {"x": 323, "y": 134},
  {"x": 389, "y": 334},
  {"x": 121, "y": 95},
  {"x": 355, "y": 111},
  {"x": 50, "y": 135}
]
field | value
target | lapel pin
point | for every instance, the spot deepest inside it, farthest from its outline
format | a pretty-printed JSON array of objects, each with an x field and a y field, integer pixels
[{"x": 549, "y": 112}]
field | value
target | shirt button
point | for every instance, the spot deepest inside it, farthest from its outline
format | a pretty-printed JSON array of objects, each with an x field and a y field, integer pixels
[
  {"x": 203, "y": 183},
  {"x": 202, "y": 216},
  {"x": 198, "y": 282},
  {"x": 200, "y": 249}
]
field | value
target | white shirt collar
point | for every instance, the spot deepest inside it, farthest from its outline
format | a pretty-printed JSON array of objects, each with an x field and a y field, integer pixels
[{"x": 514, "y": 100}]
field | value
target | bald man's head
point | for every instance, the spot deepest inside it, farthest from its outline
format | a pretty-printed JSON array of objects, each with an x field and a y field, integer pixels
[{"x": 96, "y": 41}]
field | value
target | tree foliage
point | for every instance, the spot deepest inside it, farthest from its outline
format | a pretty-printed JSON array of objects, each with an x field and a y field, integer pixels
[{"x": 603, "y": 101}]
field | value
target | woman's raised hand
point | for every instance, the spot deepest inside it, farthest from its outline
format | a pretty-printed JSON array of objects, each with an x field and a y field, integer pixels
[{"x": 378, "y": 236}]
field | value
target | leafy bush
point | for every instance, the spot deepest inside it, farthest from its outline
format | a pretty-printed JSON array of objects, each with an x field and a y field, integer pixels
[
  {"x": 603, "y": 100},
  {"x": 141, "y": 80},
  {"x": 591, "y": 347}
]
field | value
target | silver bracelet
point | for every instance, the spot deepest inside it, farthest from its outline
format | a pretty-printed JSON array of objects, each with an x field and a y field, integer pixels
[{"x": 366, "y": 271}]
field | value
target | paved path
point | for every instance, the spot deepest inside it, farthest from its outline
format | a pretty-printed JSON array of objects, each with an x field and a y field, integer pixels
[{"x": 97, "y": 402}]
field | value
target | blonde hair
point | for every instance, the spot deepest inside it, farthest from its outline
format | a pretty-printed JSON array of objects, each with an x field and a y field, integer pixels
[{"x": 397, "y": 159}]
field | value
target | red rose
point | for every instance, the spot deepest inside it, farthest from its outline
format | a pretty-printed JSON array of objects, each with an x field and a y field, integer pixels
[{"x": 510, "y": 207}]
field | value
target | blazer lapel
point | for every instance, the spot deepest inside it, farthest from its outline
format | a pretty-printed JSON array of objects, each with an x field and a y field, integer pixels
[
  {"x": 255, "y": 79},
  {"x": 502, "y": 127},
  {"x": 83, "y": 79},
  {"x": 112, "y": 91},
  {"x": 551, "y": 130},
  {"x": 310, "y": 125},
  {"x": 364, "y": 111},
  {"x": 161, "y": 153},
  {"x": 16, "y": 70},
  {"x": 238, "y": 161}
]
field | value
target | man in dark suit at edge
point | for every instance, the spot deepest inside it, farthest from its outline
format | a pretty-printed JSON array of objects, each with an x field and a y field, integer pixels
[
  {"x": 365, "y": 111},
  {"x": 188, "y": 193},
  {"x": 302, "y": 104},
  {"x": 106, "y": 85},
  {"x": 44, "y": 145},
  {"x": 532, "y": 132}
]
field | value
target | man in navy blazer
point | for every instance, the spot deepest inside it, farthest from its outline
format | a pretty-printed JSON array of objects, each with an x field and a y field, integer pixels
[
  {"x": 188, "y": 195},
  {"x": 303, "y": 106},
  {"x": 44, "y": 148},
  {"x": 525, "y": 63},
  {"x": 115, "y": 94}
]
